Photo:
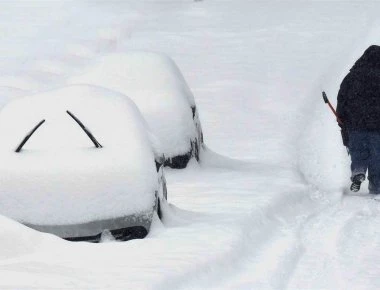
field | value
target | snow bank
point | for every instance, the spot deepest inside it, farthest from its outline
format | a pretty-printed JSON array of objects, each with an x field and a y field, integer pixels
[
  {"x": 156, "y": 85},
  {"x": 18, "y": 240},
  {"x": 323, "y": 160},
  {"x": 59, "y": 177}
]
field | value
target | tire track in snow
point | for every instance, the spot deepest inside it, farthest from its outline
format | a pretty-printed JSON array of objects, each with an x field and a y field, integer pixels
[
  {"x": 332, "y": 246},
  {"x": 266, "y": 252},
  {"x": 319, "y": 237},
  {"x": 360, "y": 243},
  {"x": 299, "y": 212}
]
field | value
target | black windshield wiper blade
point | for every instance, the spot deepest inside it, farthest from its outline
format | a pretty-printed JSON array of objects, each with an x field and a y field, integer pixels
[
  {"x": 89, "y": 134},
  {"x": 18, "y": 149}
]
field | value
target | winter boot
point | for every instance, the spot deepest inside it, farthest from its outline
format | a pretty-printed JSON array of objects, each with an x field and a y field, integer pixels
[{"x": 356, "y": 182}]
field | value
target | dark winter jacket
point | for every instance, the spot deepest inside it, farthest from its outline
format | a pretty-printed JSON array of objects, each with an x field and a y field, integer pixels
[{"x": 359, "y": 94}]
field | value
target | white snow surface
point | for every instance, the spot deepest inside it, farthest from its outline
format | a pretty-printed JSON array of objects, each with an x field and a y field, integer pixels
[
  {"x": 7, "y": 93},
  {"x": 60, "y": 177},
  {"x": 271, "y": 215},
  {"x": 156, "y": 85}
]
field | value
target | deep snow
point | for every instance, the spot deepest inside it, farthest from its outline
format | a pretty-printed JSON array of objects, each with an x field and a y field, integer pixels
[{"x": 274, "y": 219}]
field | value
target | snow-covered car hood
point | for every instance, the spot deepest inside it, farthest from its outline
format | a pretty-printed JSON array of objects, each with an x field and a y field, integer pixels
[{"x": 59, "y": 177}]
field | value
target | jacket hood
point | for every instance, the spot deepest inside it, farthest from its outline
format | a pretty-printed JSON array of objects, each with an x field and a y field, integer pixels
[{"x": 369, "y": 60}]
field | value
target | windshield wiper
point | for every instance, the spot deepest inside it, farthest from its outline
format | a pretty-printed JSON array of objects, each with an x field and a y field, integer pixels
[
  {"x": 96, "y": 143},
  {"x": 28, "y": 136}
]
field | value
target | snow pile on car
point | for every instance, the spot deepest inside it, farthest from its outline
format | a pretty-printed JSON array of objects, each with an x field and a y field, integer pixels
[
  {"x": 59, "y": 177},
  {"x": 156, "y": 85}
]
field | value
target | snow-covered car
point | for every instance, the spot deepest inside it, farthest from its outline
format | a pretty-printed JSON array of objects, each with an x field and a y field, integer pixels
[
  {"x": 156, "y": 85},
  {"x": 79, "y": 162}
]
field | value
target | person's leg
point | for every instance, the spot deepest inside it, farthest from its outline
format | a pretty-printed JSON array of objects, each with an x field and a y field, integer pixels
[
  {"x": 360, "y": 157},
  {"x": 374, "y": 164}
]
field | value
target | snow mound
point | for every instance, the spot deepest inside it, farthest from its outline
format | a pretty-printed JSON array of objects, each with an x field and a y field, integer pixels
[
  {"x": 156, "y": 85},
  {"x": 321, "y": 152},
  {"x": 18, "y": 240},
  {"x": 59, "y": 177}
]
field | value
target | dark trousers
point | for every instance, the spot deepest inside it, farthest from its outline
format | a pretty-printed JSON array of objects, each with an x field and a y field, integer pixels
[{"x": 364, "y": 149}]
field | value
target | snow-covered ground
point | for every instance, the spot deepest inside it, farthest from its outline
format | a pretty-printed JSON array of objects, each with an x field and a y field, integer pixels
[{"x": 265, "y": 212}]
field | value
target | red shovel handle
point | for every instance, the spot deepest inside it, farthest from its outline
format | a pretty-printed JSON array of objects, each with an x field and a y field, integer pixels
[{"x": 331, "y": 107}]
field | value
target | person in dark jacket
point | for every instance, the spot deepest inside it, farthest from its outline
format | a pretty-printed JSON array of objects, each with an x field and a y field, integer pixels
[{"x": 359, "y": 109}]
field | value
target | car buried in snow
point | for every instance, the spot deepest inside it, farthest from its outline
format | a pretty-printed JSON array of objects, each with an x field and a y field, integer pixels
[
  {"x": 156, "y": 85},
  {"x": 79, "y": 162}
]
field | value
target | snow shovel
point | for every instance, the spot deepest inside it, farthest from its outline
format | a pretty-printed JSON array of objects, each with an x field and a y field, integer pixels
[{"x": 343, "y": 129}]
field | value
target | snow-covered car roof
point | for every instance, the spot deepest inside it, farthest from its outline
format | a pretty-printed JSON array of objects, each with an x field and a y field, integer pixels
[
  {"x": 59, "y": 176},
  {"x": 156, "y": 85}
]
